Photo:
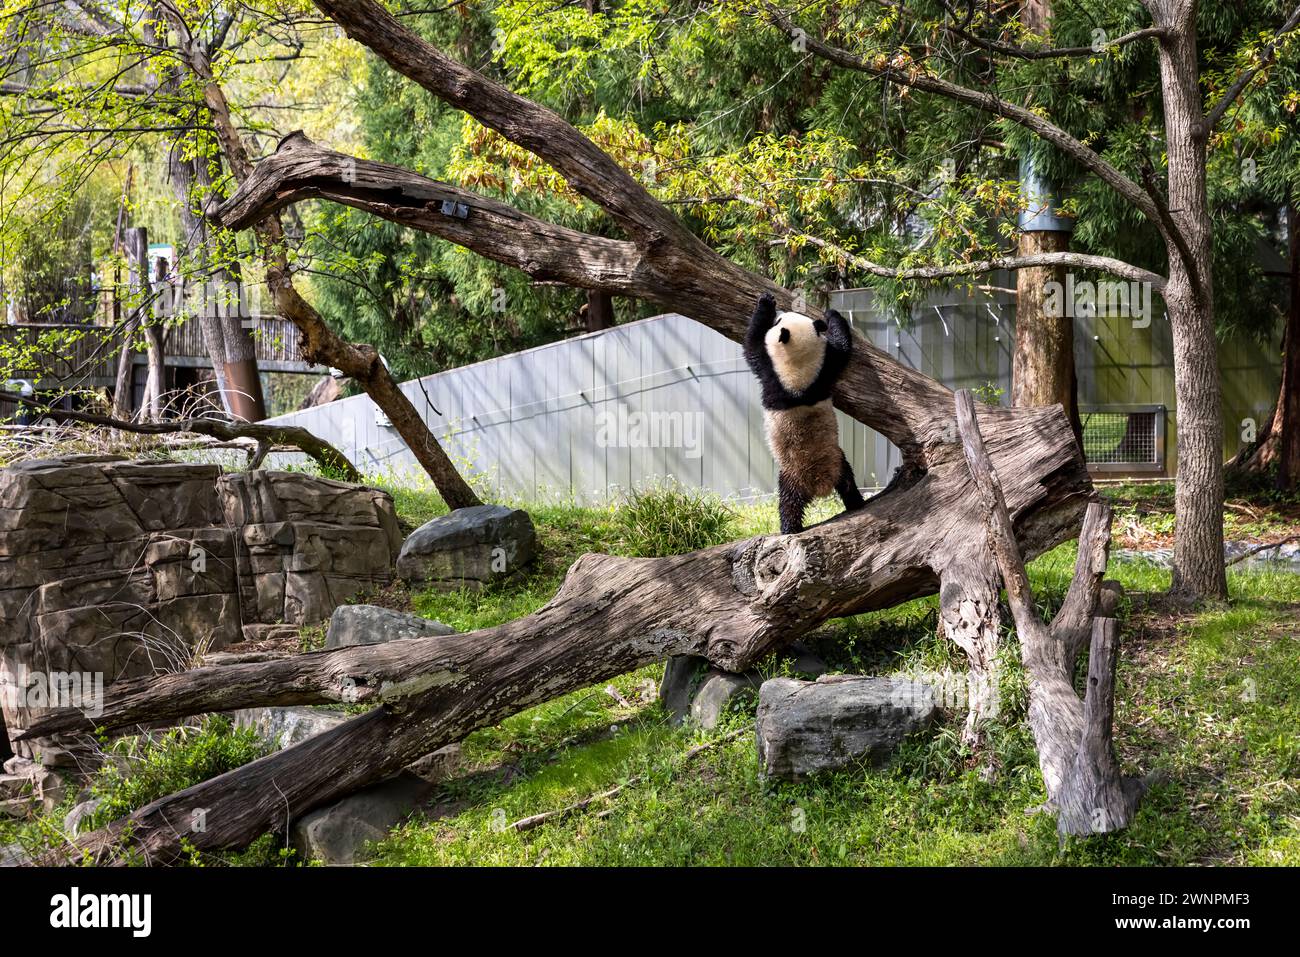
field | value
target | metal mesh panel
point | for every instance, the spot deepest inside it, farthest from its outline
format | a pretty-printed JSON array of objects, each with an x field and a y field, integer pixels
[{"x": 1121, "y": 438}]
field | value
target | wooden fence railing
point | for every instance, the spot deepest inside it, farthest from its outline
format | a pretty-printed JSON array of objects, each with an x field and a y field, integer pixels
[{"x": 51, "y": 354}]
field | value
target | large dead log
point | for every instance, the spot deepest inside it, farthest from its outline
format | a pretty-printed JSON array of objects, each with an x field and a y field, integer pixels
[{"x": 1073, "y": 737}]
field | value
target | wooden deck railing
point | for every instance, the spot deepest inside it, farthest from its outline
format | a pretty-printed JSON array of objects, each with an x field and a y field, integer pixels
[{"x": 87, "y": 354}]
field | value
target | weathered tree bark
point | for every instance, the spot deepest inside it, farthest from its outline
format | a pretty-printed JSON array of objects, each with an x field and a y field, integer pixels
[
  {"x": 1288, "y": 470},
  {"x": 1073, "y": 737},
  {"x": 600, "y": 310},
  {"x": 1189, "y": 299},
  {"x": 1042, "y": 371}
]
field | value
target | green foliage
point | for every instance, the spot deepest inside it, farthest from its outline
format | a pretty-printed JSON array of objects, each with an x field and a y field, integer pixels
[
  {"x": 140, "y": 770},
  {"x": 670, "y": 519}
]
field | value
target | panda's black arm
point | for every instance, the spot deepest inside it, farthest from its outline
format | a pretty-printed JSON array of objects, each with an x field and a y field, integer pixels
[
  {"x": 838, "y": 335},
  {"x": 761, "y": 321}
]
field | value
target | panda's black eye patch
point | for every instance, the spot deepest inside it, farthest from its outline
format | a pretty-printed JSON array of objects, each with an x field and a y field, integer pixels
[
  {"x": 785, "y": 336},
  {"x": 819, "y": 325}
]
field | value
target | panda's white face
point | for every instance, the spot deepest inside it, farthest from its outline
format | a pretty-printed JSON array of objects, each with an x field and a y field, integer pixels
[{"x": 796, "y": 344}]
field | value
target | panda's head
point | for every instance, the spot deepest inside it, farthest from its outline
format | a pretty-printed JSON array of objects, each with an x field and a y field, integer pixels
[{"x": 796, "y": 344}]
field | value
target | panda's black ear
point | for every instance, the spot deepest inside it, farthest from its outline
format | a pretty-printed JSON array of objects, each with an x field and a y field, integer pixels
[{"x": 819, "y": 325}]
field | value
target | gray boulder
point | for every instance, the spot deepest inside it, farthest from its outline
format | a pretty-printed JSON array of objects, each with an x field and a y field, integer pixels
[
  {"x": 371, "y": 625},
  {"x": 338, "y": 833},
  {"x": 804, "y": 727},
  {"x": 469, "y": 548},
  {"x": 683, "y": 675},
  {"x": 437, "y": 765},
  {"x": 692, "y": 688}
]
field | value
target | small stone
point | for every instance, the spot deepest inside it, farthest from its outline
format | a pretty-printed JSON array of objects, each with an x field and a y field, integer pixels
[
  {"x": 437, "y": 765},
  {"x": 19, "y": 765},
  {"x": 13, "y": 786},
  {"x": 352, "y": 625},
  {"x": 14, "y": 855},
  {"x": 52, "y": 757},
  {"x": 282, "y": 727},
  {"x": 682, "y": 675},
  {"x": 50, "y": 788},
  {"x": 80, "y": 815},
  {"x": 16, "y": 808}
]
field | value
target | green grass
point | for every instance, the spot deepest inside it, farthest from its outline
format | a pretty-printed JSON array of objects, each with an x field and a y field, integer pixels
[
  {"x": 1208, "y": 702},
  {"x": 1226, "y": 764}
]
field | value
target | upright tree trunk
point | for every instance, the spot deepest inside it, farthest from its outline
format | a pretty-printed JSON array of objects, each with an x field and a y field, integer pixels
[
  {"x": 1043, "y": 367},
  {"x": 1189, "y": 298},
  {"x": 123, "y": 386},
  {"x": 137, "y": 250},
  {"x": 229, "y": 343},
  {"x": 1042, "y": 371},
  {"x": 1267, "y": 452},
  {"x": 1288, "y": 401},
  {"x": 600, "y": 310}
]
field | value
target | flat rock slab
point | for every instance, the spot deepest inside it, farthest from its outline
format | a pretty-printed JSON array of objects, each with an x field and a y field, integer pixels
[
  {"x": 805, "y": 727},
  {"x": 468, "y": 548},
  {"x": 352, "y": 625}
]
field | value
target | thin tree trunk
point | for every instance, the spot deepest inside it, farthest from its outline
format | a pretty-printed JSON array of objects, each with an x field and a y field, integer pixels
[
  {"x": 600, "y": 310},
  {"x": 318, "y": 342},
  {"x": 1288, "y": 414},
  {"x": 137, "y": 250}
]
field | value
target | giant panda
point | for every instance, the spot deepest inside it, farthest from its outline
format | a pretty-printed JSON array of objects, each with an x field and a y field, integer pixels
[{"x": 797, "y": 360}]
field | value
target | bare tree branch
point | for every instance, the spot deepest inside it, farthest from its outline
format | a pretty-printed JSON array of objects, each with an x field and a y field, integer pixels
[{"x": 265, "y": 435}]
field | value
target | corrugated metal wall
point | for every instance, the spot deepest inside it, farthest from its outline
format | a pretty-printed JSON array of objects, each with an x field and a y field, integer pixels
[{"x": 668, "y": 396}]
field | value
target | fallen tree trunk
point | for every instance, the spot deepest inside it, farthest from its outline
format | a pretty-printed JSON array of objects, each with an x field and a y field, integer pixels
[{"x": 1073, "y": 737}]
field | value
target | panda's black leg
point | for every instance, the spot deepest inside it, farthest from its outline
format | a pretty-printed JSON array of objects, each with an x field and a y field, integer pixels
[
  {"x": 847, "y": 487},
  {"x": 791, "y": 502}
]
